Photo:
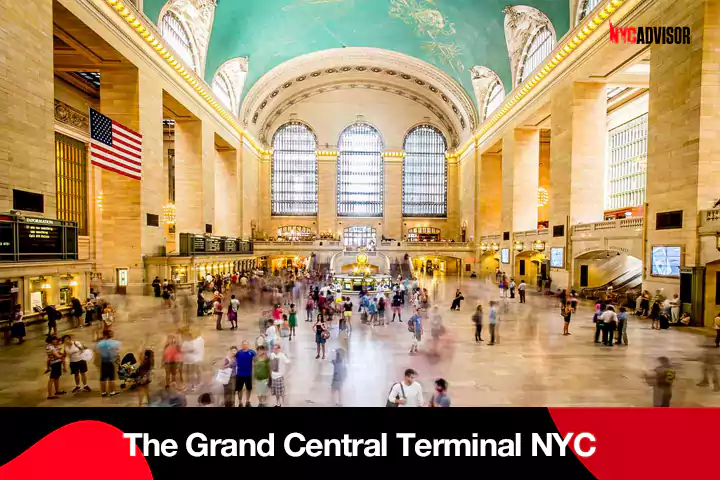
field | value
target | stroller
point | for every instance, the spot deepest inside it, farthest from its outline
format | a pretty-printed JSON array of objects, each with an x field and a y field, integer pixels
[{"x": 128, "y": 371}]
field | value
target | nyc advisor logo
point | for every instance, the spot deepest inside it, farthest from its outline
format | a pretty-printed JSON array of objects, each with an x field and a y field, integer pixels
[{"x": 648, "y": 35}]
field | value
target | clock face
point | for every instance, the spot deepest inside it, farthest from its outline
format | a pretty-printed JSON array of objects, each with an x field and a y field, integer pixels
[{"x": 361, "y": 259}]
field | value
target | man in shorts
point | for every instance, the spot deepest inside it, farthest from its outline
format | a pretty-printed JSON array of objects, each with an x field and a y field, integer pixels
[
  {"x": 244, "y": 364},
  {"x": 55, "y": 364},
  {"x": 108, "y": 354}
]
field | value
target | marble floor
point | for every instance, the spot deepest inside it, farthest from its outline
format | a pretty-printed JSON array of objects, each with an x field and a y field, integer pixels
[{"x": 533, "y": 365}]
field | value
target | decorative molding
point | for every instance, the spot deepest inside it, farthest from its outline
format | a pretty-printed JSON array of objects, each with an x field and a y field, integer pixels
[
  {"x": 71, "y": 117},
  {"x": 267, "y": 126},
  {"x": 197, "y": 16},
  {"x": 561, "y": 52},
  {"x": 152, "y": 37},
  {"x": 234, "y": 71},
  {"x": 483, "y": 80},
  {"x": 371, "y": 61},
  {"x": 521, "y": 24}
]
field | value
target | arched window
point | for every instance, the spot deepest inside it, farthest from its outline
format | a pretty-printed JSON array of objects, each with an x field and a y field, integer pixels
[
  {"x": 360, "y": 172},
  {"x": 224, "y": 91},
  {"x": 537, "y": 50},
  {"x": 495, "y": 96},
  {"x": 586, "y": 6},
  {"x": 424, "y": 191},
  {"x": 359, "y": 236},
  {"x": 178, "y": 37},
  {"x": 294, "y": 171}
]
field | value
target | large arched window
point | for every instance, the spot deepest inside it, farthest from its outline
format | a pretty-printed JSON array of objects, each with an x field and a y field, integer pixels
[
  {"x": 424, "y": 191},
  {"x": 494, "y": 99},
  {"x": 178, "y": 37},
  {"x": 224, "y": 91},
  {"x": 360, "y": 172},
  {"x": 537, "y": 50},
  {"x": 294, "y": 171},
  {"x": 586, "y": 6}
]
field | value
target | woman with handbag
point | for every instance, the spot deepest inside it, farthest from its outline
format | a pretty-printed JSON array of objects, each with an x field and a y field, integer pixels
[
  {"x": 321, "y": 335},
  {"x": 143, "y": 379},
  {"x": 226, "y": 376}
]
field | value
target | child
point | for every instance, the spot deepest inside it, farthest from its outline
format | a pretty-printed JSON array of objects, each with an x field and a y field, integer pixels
[
  {"x": 261, "y": 375},
  {"x": 381, "y": 310},
  {"x": 271, "y": 334}
]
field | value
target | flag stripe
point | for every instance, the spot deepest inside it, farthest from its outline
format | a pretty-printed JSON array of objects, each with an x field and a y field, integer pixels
[
  {"x": 115, "y": 147},
  {"x": 116, "y": 169},
  {"x": 131, "y": 157},
  {"x": 117, "y": 161},
  {"x": 120, "y": 138},
  {"x": 127, "y": 131}
]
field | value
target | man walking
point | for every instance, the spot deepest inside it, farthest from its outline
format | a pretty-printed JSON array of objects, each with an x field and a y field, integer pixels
[
  {"x": 407, "y": 393},
  {"x": 492, "y": 321},
  {"x": 661, "y": 379},
  {"x": 521, "y": 290}
]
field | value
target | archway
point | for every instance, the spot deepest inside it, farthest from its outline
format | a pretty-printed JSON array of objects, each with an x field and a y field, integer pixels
[
  {"x": 528, "y": 265},
  {"x": 436, "y": 264},
  {"x": 596, "y": 270},
  {"x": 488, "y": 264}
]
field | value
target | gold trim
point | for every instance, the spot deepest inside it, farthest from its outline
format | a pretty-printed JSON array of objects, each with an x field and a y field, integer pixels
[
  {"x": 144, "y": 31},
  {"x": 560, "y": 56}
]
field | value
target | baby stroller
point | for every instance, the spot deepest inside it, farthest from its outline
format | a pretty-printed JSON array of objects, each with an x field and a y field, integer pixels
[{"x": 128, "y": 371}]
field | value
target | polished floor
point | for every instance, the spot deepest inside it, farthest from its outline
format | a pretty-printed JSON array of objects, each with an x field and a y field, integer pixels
[{"x": 533, "y": 364}]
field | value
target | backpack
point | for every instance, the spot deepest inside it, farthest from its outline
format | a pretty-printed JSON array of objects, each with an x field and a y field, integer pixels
[
  {"x": 411, "y": 325},
  {"x": 388, "y": 403}
]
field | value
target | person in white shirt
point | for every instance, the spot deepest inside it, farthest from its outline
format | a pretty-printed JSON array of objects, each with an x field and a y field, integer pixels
[
  {"x": 271, "y": 335},
  {"x": 193, "y": 350},
  {"x": 407, "y": 393},
  {"x": 279, "y": 366},
  {"x": 233, "y": 312},
  {"x": 609, "y": 320},
  {"x": 521, "y": 290}
]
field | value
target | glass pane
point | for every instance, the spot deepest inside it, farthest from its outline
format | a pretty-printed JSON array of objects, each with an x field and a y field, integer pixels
[
  {"x": 540, "y": 48},
  {"x": 360, "y": 172},
  {"x": 425, "y": 174},
  {"x": 178, "y": 38},
  {"x": 627, "y": 160},
  {"x": 294, "y": 171}
]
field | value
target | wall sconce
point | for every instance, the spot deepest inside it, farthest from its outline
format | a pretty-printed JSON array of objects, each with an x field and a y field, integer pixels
[
  {"x": 539, "y": 246},
  {"x": 73, "y": 283},
  {"x": 519, "y": 246},
  {"x": 169, "y": 213},
  {"x": 495, "y": 247},
  {"x": 543, "y": 197},
  {"x": 484, "y": 247},
  {"x": 45, "y": 286},
  {"x": 99, "y": 201}
]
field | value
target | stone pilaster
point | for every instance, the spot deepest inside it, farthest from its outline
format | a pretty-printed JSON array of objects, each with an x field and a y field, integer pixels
[
  {"x": 327, "y": 196},
  {"x": 189, "y": 177},
  {"x": 226, "y": 194},
  {"x": 119, "y": 232},
  {"x": 208, "y": 175},
  {"x": 520, "y": 173},
  {"x": 155, "y": 177},
  {"x": 27, "y": 153},
  {"x": 684, "y": 132},
  {"x": 490, "y": 172},
  {"x": 392, "y": 208},
  {"x": 251, "y": 179}
]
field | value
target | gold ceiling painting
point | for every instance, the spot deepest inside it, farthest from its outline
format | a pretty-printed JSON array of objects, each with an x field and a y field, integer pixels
[{"x": 429, "y": 21}]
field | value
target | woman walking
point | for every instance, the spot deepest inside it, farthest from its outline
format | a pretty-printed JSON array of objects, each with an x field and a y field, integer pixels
[
  {"x": 321, "y": 335},
  {"x": 292, "y": 320},
  {"x": 566, "y": 312},
  {"x": 477, "y": 320},
  {"x": 172, "y": 361},
  {"x": 309, "y": 308},
  {"x": 143, "y": 380}
]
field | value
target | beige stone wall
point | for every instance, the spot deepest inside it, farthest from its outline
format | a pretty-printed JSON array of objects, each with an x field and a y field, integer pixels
[
  {"x": 544, "y": 180},
  {"x": 74, "y": 97},
  {"x": 251, "y": 179},
  {"x": 327, "y": 196},
  {"x": 520, "y": 174},
  {"x": 189, "y": 176},
  {"x": 226, "y": 193},
  {"x": 392, "y": 208},
  {"x": 466, "y": 194},
  {"x": 491, "y": 193},
  {"x": 27, "y": 102},
  {"x": 683, "y": 149},
  {"x": 208, "y": 175}
]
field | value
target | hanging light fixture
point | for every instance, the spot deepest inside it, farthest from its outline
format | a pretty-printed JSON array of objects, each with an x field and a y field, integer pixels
[
  {"x": 543, "y": 197},
  {"x": 519, "y": 246},
  {"x": 169, "y": 213},
  {"x": 484, "y": 247},
  {"x": 495, "y": 247}
]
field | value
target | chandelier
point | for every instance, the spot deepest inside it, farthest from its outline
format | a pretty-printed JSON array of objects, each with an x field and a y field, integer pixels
[
  {"x": 169, "y": 214},
  {"x": 543, "y": 197}
]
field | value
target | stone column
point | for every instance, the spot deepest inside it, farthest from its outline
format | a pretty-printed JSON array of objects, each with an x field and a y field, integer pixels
[
  {"x": 250, "y": 179},
  {"x": 189, "y": 177},
  {"x": 577, "y": 164},
  {"x": 27, "y": 152},
  {"x": 520, "y": 173},
  {"x": 490, "y": 186},
  {"x": 155, "y": 178},
  {"x": 119, "y": 232},
  {"x": 683, "y": 170},
  {"x": 226, "y": 194},
  {"x": 453, "y": 200},
  {"x": 392, "y": 208},
  {"x": 208, "y": 175},
  {"x": 327, "y": 192}
]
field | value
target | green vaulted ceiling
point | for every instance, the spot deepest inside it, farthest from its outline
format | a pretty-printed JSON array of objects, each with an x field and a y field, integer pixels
[{"x": 454, "y": 35}]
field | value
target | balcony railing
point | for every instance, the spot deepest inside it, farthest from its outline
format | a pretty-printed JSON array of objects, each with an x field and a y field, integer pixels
[
  {"x": 623, "y": 223},
  {"x": 532, "y": 233},
  {"x": 710, "y": 217}
]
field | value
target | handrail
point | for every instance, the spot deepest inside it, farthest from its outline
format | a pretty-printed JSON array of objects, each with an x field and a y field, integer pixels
[{"x": 630, "y": 222}]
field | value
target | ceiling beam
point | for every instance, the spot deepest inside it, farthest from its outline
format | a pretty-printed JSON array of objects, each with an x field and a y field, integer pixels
[{"x": 80, "y": 48}]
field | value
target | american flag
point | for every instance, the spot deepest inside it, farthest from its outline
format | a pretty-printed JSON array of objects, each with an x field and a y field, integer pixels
[{"x": 115, "y": 147}]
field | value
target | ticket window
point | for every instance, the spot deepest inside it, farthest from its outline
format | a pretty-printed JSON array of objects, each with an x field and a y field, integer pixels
[
  {"x": 39, "y": 292},
  {"x": 179, "y": 274}
]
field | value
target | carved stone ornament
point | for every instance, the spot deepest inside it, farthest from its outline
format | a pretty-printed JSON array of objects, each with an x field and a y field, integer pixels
[
  {"x": 198, "y": 16},
  {"x": 483, "y": 79},
  {"x": 71, "y": 117},
  {"x": 521, "y": 23}
]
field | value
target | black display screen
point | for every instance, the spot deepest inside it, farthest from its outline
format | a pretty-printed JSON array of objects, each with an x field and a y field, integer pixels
[
  {"x": 198, "y": 244},
  {"x": 231, "y": 245},
  {"x": 7, "y": 241},
  {"x": 213, "y": 244},
  {"x": 40, "y": 240}
]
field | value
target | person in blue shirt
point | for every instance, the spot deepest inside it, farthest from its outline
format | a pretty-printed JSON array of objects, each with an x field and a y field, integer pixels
[
  {"x": 373, "y": 311},
  {"x": 622, "y": 317},
  {"x": 415, "y": 327},
  {"x": 108, "y": 354},
  {"x": 244, "y": 366}
]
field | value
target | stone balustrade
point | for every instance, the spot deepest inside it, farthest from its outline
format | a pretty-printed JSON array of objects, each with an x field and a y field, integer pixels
[{"x": 623, "y": 223}]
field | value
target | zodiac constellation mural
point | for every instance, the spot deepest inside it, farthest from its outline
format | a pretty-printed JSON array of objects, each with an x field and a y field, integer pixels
[{"x": 429, "y": 21}]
